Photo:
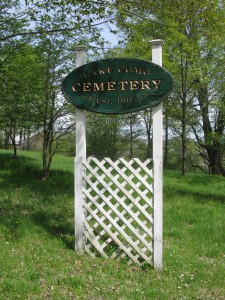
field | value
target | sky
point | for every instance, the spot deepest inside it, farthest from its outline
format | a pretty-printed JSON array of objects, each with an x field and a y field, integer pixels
[{"x": 110, "y": 37}]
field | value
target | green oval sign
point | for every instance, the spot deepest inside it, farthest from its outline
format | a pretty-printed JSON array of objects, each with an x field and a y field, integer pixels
[{"x": 117, "y": 85}]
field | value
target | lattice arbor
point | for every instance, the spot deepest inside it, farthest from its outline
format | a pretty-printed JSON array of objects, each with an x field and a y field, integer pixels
[
  {"x": 115, "y": 215},
  {"x": 118, "y": 209}
]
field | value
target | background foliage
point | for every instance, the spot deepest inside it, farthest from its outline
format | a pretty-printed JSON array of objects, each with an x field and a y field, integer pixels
[{"x": 38, "y": 39}]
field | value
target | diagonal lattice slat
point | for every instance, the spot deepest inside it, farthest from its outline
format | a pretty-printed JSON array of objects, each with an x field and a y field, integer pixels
[{"x": 118, "y": 204}]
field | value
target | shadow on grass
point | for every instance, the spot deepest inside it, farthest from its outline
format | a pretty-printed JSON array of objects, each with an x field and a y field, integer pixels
[
  {"x": 48, "y": 204},
  {"x": 201, "y": 187}
]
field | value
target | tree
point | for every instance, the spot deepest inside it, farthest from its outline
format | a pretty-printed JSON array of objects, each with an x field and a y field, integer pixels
[
  {"x": 146, "y": 117},
  {"x": 17, "y": 88},
  {"x": 132, "y": 132},
  {"x": 66, "y": 17},
  {"x": 53, "y": 111},
  {"x": 36, "y": 103},
  {"x": 193, "y": 51},
  {"x": 103, "y": 135}
]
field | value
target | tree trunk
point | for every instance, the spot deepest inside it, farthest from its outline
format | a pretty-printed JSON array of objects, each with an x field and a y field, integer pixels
[
  {"x": 212, "y": 142},
  {"x": 148, "y": 125},
  {"x": 184, "y": 147},
  {"x": 7, "y": 138},
  {"x": 46, "y": 155},
  {"x": 184, "y": 71},
  {"x": 166, "y": 154},
  {"x": 13, "y": 140},
  {"x": 45, "y": 171},
  {"x": 215, "y": 161},
  {"x": 14, "y": 148}
]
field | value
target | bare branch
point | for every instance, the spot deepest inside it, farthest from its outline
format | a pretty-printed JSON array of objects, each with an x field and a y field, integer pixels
[{"x": 43, "y": 31}]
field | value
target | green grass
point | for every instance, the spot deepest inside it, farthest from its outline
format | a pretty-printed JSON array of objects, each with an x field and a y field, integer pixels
[{"x": 37, "y": 259}]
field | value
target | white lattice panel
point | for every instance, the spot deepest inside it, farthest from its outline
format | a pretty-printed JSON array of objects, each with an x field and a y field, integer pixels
[{"x": 118, "y": 209}]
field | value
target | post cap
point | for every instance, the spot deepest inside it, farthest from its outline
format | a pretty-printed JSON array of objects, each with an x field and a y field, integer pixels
[
  {"x": 156, "y": 42},
  {"x": 81, "y": 48}
]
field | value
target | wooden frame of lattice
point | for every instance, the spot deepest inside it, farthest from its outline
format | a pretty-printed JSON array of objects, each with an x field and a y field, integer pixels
[{"x": 118, "y": 209}]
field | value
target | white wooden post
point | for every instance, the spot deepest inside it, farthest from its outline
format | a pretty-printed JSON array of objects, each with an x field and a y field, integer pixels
[
  {"x": 80, "y": 156},
  {"x": 157, "y": 167}
]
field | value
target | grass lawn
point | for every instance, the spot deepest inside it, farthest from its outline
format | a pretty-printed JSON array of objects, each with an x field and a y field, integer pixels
[{"x": 37, "y": 257}]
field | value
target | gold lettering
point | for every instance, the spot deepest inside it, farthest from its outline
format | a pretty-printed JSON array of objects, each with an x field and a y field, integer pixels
[
  {"x": 122, "y": 100},
  {"x": 76, "y": 87},
  {"x": 138, "y": 71},
  {"x": 128, "y": 69},
  {"x": 134, "y": 85},
  {"x": 86, "y": 86},
  {"x": 145, "y": 85},
  {"x": 110, "y": 70},
  {"x": 156, "y": 83},
  {"x": 98, "y": 86},
  {"x": 106, "y": 101},
  {"x": 111, "y": 86},
  {"x": 103, "y": 101},
  {"x": 146, "y": 72},
  {"x": 101, "y": 71},
  {"x": 121, "y": 69},
  {"x": 123, "y": 85}
]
